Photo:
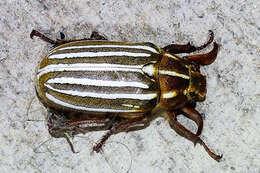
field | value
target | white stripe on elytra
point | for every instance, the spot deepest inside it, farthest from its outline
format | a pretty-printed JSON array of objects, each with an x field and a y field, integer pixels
[
  {"x": 131, "y": 106},
  {"x": 172, "y": 73},
  {"x": 95, "y": 82},
  {"x": 88, "y": 67},
  {"x": 68, "y": 105},
  {"x": 104, "y": 96},
  {"x": 111, "y": 46},
  {"x": 96, "y": 54}
]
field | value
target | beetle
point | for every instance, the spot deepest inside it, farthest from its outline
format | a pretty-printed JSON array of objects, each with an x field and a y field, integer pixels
[{"x": 94, "y": 84}]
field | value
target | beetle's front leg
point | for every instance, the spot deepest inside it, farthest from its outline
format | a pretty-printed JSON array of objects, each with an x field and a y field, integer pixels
[
  {"x": 204, "y": 59},
  {"x": 195, "y": 116},
  {"x": 124, "y": 125},
  {"x": 94, "y": 36},
  {"x": 188, "y": 48},
  {"x": 182, "y": 131}
]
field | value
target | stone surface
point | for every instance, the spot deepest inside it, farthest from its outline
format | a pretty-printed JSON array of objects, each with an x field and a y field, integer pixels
[{"x": 231, "y": 110}]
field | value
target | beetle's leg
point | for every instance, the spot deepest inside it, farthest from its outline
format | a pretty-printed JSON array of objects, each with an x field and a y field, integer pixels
[
  {"x": 189, "y": 112},
  {"x": 83, "y": 126},
  {"x": 133, "y": 124},
  {"x": 67, "y": 137},
  {"x": 123, "y": 126},
  {"x": 182, "y": 131},
  {"x": 62, "y": 36},
  {"x": 188, "y": 48},
  {"x": 195, "y": 116},
  {"x": 41, "y": 36},
  {"x": 205, "y": 59},
  {"x": 94, "y": 36}
]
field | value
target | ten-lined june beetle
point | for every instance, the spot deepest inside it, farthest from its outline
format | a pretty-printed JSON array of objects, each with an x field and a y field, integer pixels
[{"x": 94, "y": 84}]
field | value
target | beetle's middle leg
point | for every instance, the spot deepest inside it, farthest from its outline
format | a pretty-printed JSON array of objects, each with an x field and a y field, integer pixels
[
  {"x": 124, "y": 125},
  {"x": 86, "y": 125},
  {"x": 184, "y": 132},
  {"x": 188, "y": 48}
]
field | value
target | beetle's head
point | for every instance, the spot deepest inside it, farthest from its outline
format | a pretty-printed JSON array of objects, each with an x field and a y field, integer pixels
[{"x": 196, "y": 90}]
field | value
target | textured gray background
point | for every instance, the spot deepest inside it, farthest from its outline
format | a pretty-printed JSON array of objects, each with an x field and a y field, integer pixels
[{"x": 231, "y": 110}]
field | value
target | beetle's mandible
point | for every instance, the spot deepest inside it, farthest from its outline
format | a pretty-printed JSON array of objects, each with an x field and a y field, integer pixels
[{"x": 94, "y": 84}]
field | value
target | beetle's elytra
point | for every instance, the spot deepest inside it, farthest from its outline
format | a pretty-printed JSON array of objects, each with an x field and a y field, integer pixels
[{"x": 94, "y": 84}]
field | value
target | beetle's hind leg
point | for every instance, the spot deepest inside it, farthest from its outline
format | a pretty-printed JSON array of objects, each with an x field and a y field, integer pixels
[
  {"x": 184, "y": 132},
  {"x": 36, "y": 33},
  {"x": 77, "y": 126},
  {"x": 188, "y": 48},
  {"x": 124, "y": 125},
  {"x": 94, "y": 36}
]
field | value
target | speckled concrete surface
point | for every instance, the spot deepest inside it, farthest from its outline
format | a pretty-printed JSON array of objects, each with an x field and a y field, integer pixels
[{"x": 231, "y": 110}]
